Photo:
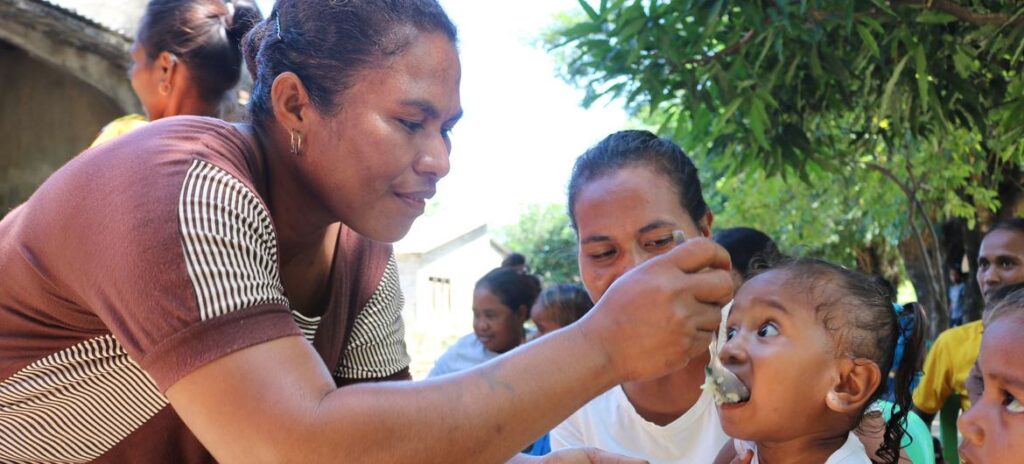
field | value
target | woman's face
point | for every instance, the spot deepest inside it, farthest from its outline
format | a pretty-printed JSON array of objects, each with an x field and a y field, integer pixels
[
  {"x": 376, "y": 162},
  {"x": 1000, "y": 261},
  {"x": 625, "y": 218},
  {"x": 145, "y": 77},
  {"x": 498, "y": 327},
  {"x": 993, "y": 429},
  {"x": 779, "y": 348}
]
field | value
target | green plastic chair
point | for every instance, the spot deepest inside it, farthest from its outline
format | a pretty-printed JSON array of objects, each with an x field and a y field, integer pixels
[
  {"x": 947, "y": 429},
  {"x": 918, "y": 440}
]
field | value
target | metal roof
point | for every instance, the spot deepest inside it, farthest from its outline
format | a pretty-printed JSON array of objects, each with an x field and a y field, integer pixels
[{"x": 121, "y": 16}]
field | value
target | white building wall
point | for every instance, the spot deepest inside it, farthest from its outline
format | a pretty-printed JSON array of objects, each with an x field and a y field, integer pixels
[{"x": 434, "y": 320}]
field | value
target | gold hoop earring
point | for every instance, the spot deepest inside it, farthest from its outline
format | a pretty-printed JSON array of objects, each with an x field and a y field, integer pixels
[
  {"x": 164, "y": 88},
  {"x": 296, "y": 142}
]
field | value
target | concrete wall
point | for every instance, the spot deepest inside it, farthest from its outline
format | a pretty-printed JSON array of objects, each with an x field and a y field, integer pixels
[{"x": 46, "y": 117}]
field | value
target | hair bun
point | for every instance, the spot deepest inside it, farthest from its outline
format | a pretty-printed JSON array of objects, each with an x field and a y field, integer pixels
[{"x": 242, "y": 16}]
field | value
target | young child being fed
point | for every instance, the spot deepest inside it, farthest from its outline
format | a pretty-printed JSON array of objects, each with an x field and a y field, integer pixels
[{"x": 812, "y": 341}]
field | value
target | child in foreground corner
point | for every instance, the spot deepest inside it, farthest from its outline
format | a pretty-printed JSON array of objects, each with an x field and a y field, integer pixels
[
  {"x": 993, "y": 429},
  {"x": 812, "y": 341}
]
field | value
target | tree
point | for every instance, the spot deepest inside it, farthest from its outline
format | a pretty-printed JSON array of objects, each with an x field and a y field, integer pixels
[
  {"x": 544, "y": 236},
  {"x": 918, "y": 100}
]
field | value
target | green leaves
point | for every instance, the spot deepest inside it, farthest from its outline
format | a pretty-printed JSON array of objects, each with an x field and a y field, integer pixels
[
  {"x": 544, "y": 236},
  {"x": 890, "y": 85},
  {"x": 590, "y": 10}
]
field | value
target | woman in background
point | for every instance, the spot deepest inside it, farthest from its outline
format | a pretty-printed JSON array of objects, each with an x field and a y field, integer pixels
[{"x": 185, "y": 58}]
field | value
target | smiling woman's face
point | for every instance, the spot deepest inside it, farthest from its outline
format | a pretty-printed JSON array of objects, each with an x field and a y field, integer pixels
[
  {"x": 624, "y": 218},
  {"x": 375, "y": 163},
  {"x": 498, "y": 327}
]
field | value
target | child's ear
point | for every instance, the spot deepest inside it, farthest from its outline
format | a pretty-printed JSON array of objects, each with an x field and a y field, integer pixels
[{"x": 857, "y": 381}]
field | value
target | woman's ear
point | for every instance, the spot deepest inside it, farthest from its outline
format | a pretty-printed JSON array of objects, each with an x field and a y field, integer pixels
[
  {"x": 857, "y": 381},
  {"x": 290, "y": 101},
  {"x": 705, "y": 224},
  {"x": 167, "y": 65}
]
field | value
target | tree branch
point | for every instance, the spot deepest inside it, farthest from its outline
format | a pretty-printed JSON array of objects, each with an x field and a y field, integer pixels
[
  {"x": 730, "y": 50},
  {"x": 961, "y": 12},
  {"x": 930, "y": 267}
]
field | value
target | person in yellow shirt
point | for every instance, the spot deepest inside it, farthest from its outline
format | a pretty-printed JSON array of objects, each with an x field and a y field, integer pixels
[
  {"x": 185, "y": 58},
  {"x": 1000, "y": 263}
]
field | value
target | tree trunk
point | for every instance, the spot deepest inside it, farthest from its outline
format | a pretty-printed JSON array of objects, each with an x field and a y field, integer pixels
[
  {"x": 972, "y": 300},
  {"x": 917, "y": 270}
]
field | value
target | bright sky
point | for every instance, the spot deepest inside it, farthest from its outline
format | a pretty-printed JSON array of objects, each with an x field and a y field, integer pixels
[{"x": 523, "y": 126}]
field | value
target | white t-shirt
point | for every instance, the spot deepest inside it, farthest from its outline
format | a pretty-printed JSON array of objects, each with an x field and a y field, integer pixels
[
  {"x": 610, "y": 422},
  {"x": 852, "y": 452},
  {"x": 466, "y": 353}
]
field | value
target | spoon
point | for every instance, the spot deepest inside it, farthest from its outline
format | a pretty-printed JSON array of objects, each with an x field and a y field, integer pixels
[{"x": 723, "y": 384}]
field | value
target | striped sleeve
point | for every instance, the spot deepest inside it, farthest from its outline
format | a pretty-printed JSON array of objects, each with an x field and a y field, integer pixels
[
  {"x": 230, "y": 257},
  {"x": 377, "y": 345},
  {"x": 229, "y": 243}
]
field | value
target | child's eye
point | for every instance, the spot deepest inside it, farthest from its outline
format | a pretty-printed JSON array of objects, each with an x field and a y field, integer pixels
[
  {"x": 1012, "y": 404},
  {"x": 731, "y": 332},
  {"x": 768, "y": 330}
]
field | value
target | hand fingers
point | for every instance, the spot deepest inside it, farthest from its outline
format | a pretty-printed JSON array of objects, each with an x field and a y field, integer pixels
[
  {"x": 705, "y": 317},
  {"x": 715, "y": 287},
  {"x": 699, "y": 253},
  {"x": 598, "y": 456}
]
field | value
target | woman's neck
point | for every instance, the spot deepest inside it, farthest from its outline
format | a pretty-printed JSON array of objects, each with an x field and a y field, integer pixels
[
  {"x": 663, "y": 400},
  {"x": 802, "y": 450},
  {"x": 306, "y": 234}
]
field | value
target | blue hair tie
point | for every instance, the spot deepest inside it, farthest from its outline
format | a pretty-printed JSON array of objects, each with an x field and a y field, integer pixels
[{"x": 905, "y": 327}]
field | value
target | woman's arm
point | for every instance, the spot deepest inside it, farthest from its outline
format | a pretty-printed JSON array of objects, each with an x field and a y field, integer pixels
[{"x": 276, "y": 402}]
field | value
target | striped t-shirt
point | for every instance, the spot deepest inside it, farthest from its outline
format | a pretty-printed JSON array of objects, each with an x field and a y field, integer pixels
[{"x": 140, "y": 261}]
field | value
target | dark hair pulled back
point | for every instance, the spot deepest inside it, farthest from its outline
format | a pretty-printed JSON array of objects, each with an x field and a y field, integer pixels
[
  {"x": 513, "y": 287},
  {"x": 749, "y": 249},
  {"x": 326, "y": 43},
  {"x": 865, "y": 324},
  {"x": 568, "y": 302},
  {"x": 206, "y": 35},
  {"x": 640, "y": 148}
]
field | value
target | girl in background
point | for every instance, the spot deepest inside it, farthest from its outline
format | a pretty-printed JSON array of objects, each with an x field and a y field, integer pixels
[{"x": 501, "y": 304}]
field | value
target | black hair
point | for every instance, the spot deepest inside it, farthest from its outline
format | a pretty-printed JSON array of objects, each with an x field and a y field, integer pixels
[
  {"x": 513, "y": 259},
  {"x": 749, "y": 249},
  {"x": 639, "y": 148},
  {"x": 864, "y": 323},
  {"x": 512, "y": 287},
  {"x": 1010, "y": 302},
  {"x": 569, "y": 302},
  {"x": 996, "y": 301},
  {"x": 205, "y": 35},
  {"x": 1014, "y": 224},
  {"x": 326, "y": 43}
]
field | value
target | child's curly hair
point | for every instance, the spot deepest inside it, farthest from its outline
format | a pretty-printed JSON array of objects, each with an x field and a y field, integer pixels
[{"x": 866, "y": 324}]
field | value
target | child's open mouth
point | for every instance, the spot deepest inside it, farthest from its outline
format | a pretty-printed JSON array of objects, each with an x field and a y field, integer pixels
[{"x": 725, "y": 390}]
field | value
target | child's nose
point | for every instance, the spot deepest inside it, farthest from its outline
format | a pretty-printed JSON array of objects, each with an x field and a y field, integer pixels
[
  {"x": 969, "y": 428},
  {"x": 733, "y": 352}
]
